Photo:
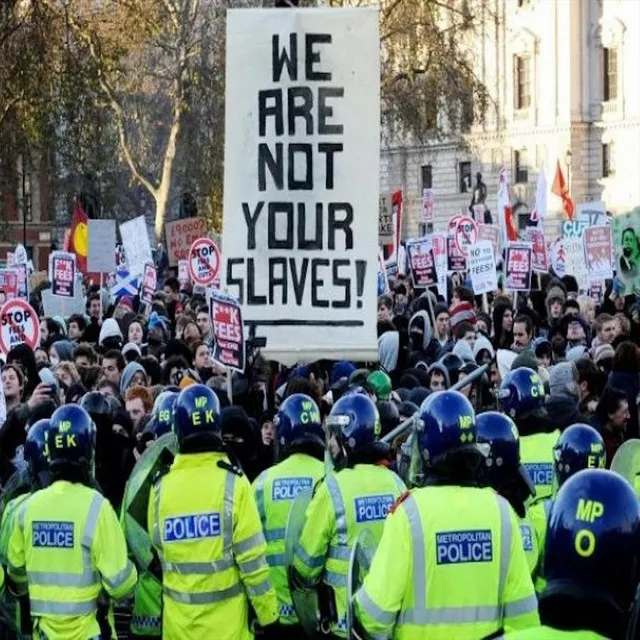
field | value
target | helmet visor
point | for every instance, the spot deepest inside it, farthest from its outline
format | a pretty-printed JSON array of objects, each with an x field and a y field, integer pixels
[{"x": 334, "y": 426}]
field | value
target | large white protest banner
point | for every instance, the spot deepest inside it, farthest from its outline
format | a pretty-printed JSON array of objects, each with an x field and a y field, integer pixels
[
  {"x": 135, "y": 240},
  {"x": 302, "y": 179}
]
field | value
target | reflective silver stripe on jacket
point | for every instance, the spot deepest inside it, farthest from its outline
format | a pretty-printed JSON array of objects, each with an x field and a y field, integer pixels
[
  {"x": 227, "y": 517},
  {"x": 313, "y": 562},
  {"x": 256, "y": 540},
  {"x": 255, "y": 590},
  {"x": 273, "y": 535},
  {"x": 381, "y": 616},
  {"x": 339, "y": 552},
  {"x": 421, "y": 614},
  {"x": 253, "y": 565},
  {"x": 120, "y": 578},
  {"x": 204, "y": 597},
  {"x": 157, "y": 536},
  {"x": 339, "y": 510},
  {"x": 335, "y": 579},
  {"x": 89, "y": 575},
  {"x": 47, "y": 607},
  {"x": 191, "y": 568},
  {"x": 505, "y": 545},
  {"x": 521, "y": 607},
  {"x": 277, "y": 559},
  {"x": 262, "y": 478}
]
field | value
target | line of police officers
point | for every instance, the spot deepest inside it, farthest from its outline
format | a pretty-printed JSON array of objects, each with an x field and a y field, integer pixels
[{"x": 457, "y": 556}]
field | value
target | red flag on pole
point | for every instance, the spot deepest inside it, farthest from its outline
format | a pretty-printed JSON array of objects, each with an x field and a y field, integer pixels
[
  {"x": 561, "y": 189},
  {"x": 505, "y": 212},
  {"x": 78, "y": 240}
]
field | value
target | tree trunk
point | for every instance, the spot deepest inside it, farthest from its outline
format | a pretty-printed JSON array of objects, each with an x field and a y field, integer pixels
[{"x": 164, "y": 188}]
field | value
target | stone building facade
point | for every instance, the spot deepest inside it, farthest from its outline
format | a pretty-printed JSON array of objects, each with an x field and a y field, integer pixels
[{"x": 564, "y": 78}]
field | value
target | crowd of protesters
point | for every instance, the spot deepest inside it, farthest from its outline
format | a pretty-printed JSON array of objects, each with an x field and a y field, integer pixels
[{"x": 585, "y": 353}]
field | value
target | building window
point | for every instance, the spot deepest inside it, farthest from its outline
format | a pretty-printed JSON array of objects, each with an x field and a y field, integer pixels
[
  {"x": 521, "y": 166},
  {"x": 465, "y": 177},
  {"x": 522, "y": 81},
  {"x": 610, "y": 74},
  {"x": 427, "y": 176},
  {"x": 608, "y": 162}
]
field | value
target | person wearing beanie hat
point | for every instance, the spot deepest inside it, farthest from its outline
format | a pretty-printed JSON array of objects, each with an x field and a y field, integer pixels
[
  {"x": 131, "y": 351},
  {"x": 110, "y": 335},
  {"x": 525, "y": 359},
  {"x": 341, "y": 369},
  {"x": 379, "y": 383},
  {"x": 603, "y": 357},
  {"x": 562, "y": 403},
  {"x": 576, "y": 353},
  {"x": 461, "y": 312},
  {"x": 125, "y": 302}
]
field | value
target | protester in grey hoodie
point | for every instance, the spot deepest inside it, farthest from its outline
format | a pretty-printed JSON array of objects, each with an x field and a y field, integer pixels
[
  {"x": 128, "y": 376},
  {"x": 444, "y": 373},
  {"x": 61, "y": 350},
  {"x": 388, "y": 349}
]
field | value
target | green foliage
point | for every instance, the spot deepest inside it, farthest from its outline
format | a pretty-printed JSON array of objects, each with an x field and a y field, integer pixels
[{"x": 129, "y": 94}]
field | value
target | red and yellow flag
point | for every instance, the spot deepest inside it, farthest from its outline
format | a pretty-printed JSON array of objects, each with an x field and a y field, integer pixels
[{"x": 79, "y": 237}]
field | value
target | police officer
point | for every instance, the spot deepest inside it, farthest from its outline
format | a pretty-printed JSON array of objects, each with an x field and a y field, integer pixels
[
  {"x": 68, "y": 545},
  {"x": 299, "y": 446},
  {"x": 355, "y": 497},
  {"x": 579, "y": 447},
  {"x": 450, "y": 563},
  {"x": 35, "y": 455},
  {"x": 146, "y": 616},
  {"x": 499, "y": 442},
  {"x": 204, "y": 525},
  {"x": 521, "y": 397},
  {"x": 592, "y": 561}
]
